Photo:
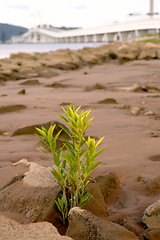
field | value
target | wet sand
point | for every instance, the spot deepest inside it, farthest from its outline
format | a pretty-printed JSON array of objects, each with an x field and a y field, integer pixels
[{"x": 132, "y": 141}]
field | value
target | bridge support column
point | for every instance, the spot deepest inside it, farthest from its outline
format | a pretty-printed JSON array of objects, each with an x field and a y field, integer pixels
[{"x": 105, "y": 37}]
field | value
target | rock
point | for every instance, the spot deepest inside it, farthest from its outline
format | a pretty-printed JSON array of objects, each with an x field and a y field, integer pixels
[
  {"x": 108, "y": 101},
  {"x": 108, "y": 183},
  {"x": 30, "y": 82},
  {"x": 31, "y": 129},
  {"x": 33, "y": 197},
  {"x": 57, "y": 85},
  {"x": 97, "y": 86},
  {"x": 66, "y": 66},
  {"x": 147, "y": 53},
  {"x": 135, "y": 110},
  {"x": 146, "y": 89},
  {"x": 12, "y": 108},
  {"x": 155, "y": 158},
  {"x": 11, "y": 230},
  {"x": 23, "y": 91},
  {"x": 22, "y": 161},
  {"x": 65, "y": 104},
  {"x": 149, "y": 113},
  {"x": 96, "y": 204},
  {"x": 151, "y": 215},
  {"x": 152, "y": 234},
  {"x": 152, "y": 184},
  {"x": 45, "y": 72},
  {"x": 84, "y": 225}
]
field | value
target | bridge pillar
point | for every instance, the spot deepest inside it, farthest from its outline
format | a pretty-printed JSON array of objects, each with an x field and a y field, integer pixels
[
  {"x": 105, "y": 37},
  {"x": 117, "y": 37},
  {"x": 94, "y": 39}
]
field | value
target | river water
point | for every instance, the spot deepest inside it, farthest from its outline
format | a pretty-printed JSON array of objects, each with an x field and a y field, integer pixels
[{"x": 7, "y": 49}]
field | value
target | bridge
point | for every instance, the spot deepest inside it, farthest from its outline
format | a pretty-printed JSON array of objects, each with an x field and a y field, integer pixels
[{"x": 109, "y": 33}]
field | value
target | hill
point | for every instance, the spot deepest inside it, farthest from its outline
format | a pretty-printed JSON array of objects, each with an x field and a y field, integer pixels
[{"x": 8, "y": 30}]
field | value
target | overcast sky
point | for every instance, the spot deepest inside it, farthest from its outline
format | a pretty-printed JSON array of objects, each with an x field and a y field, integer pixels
[{"x": 73, "y": 13}]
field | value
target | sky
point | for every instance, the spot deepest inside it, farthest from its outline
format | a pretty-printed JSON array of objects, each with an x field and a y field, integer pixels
[{"x": 72, "y": 13}]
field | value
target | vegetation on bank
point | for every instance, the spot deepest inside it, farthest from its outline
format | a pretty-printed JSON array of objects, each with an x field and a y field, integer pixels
[{"x": 152, "y": 40}]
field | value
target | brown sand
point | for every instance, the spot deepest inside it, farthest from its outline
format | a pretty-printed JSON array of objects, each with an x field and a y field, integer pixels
[{"x": 130, "y": 140}]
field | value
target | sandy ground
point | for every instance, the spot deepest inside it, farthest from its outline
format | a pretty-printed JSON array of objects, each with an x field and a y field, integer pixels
[{"x": 132, "y": 142}]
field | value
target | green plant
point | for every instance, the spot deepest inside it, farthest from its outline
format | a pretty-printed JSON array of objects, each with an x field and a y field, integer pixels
[{"x": 74, "y": 165}]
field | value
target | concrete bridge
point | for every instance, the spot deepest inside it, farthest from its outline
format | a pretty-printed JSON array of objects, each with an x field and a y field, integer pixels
[{"x": 109, "y": 33}]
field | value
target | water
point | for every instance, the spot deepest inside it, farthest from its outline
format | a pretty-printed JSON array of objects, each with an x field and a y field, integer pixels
[{"x": 7, "y": 49}]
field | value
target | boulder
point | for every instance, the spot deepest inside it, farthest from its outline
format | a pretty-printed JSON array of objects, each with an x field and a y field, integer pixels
[
  {"x": 147, "y": 53},
  {"x": 11, "y": 108},
  {"x": 108, "y": 183},
  {"x": 11, "y": 230},
  {"x": 135, "y": 110},
  {"x": 108, "y": 101},
  {"x": 96, "y": 204},
  {"x": 84, "y": 225},
  {"x": 152, "y": 234},
  {"x": 30, "y": 82},
  {"x": 32, "y": 196},
  {"x": 151, "y": 215},
  {"x": 31, "y": 129}
]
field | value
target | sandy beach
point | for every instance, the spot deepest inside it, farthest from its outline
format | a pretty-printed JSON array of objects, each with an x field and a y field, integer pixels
[{"x": 130, "y": 126}]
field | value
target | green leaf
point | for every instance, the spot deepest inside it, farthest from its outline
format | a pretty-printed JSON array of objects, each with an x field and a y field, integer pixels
[
  {"x": 56, "y": 159},
  {"x": 57, "y": 179},
  {"x": 65, "y": 111},
  {"x": 68, "y": 143},
  {"x": 50, "y": 133},
  {"x": 87, "y": 122},
  {"x": 63, "y": 166},
  {"x": 45, "y": 130},
  {"x": 84, "y": 202},
  {"x": 41, "y": 132},
  {"x": 99, "y": 151},
  {"x": 57, "y": 173},
  {"x": 58, "y": 206},
  {"x": 97, "y": 144},
  {"x": 53, "y": 147},
  {"x": 66, "y": 130},
  {"x": 46, "y": 153},
  {"x": 57, "y": 135},
  {"x": 83, "y": 170},
  {"x": 91, "y": 167},
  {"x": 78, "y": 109},
  {"x": 62, "y": 117},
  {"x": 42, "y": 140}
]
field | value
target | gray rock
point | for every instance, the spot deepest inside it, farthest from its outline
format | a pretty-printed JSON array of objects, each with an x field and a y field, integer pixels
[
  {"x": 84, "y": 225},
  {"x": 151, "y": 215},
  {"x": 11, "y": 230},
  {"x": 149, "y": 113},
  {"x": 135, "y": 110},
  {"x": 33, "y": 197},
  {"x": 147, "y": 53}
]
